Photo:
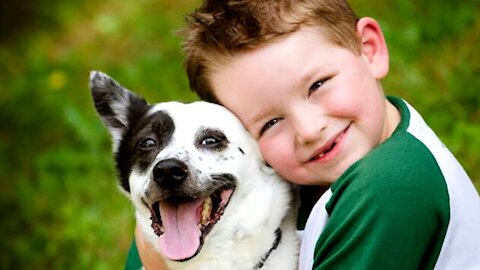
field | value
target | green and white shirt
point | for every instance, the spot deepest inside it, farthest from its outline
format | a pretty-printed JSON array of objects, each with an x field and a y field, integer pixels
[{"x": 408, "y": 204}]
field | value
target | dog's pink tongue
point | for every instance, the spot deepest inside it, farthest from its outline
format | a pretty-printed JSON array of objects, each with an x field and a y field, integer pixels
[{"x": 181, "y": 237}]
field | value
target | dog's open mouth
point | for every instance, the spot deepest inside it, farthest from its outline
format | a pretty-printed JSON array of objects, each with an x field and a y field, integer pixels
[{"x": 182, "y": 223}]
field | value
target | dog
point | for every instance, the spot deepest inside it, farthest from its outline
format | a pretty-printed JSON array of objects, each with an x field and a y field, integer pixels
[{"x": 204, "y": 197}]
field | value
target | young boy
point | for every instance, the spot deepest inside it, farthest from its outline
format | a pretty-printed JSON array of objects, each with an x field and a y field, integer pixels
[{"x": 304, "y": 78}]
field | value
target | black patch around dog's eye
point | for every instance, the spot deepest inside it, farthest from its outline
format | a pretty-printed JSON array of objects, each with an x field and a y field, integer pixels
[
  {"x": 211, "y": 139},
  {"x": 147, "y": 136},
  {"x": 155, "y": 135}
]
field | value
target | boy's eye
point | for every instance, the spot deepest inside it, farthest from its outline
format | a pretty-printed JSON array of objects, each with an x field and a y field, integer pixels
[
  {"x": 315, "y": 86},
  {"x": 268, "y": 125}
]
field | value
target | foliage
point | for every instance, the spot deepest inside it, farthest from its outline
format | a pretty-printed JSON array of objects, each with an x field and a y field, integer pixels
[{"x": 59, "y": 200}]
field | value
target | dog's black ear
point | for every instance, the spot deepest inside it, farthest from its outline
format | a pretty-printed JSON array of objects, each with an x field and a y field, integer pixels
[{"x": 116, "y": 105}]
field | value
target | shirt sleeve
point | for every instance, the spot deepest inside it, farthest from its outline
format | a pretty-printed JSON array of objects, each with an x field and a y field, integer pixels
[
  {"x": 386, "y": 215},
  {"x": 133, "y": 261}
]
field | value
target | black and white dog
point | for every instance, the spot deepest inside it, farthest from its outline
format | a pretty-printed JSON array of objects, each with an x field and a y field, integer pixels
[{"x": 204, "y": 198}]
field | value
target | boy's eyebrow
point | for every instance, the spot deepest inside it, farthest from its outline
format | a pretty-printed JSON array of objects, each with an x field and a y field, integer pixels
[
  {"x": 254, "y": 118},
  {"x": 308, "y": 75}
]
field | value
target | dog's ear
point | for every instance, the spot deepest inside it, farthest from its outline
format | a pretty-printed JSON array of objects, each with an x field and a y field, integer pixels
[{"x": 117, "y": 106}]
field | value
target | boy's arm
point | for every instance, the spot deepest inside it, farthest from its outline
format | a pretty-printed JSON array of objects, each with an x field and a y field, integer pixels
[{"x": 150, "y": 259}]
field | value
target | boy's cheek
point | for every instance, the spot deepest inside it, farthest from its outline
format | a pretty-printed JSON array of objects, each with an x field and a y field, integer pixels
[
  {"x": 277, "y": 155},
  {"x": 265, "y": 151},
  {"x": 266, "y": 148}
]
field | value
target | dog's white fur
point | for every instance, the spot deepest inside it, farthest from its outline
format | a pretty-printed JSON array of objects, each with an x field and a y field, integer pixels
[{"x": 260, "y": 204}]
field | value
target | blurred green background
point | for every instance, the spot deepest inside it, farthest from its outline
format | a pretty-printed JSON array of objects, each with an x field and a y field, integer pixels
[{"x": 60, "y": 204}]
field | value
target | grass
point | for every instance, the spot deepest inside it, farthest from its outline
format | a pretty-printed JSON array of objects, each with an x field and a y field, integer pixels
[{"x": 60, "y": 204}]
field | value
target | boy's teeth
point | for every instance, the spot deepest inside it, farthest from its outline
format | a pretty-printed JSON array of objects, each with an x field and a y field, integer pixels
[
  {"x": 327, "y": 150},
  {"x": 206, "y": 211}
]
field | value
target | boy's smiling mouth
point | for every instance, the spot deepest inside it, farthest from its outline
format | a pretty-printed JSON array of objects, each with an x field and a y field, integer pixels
[{"x": 330, "y": 149}]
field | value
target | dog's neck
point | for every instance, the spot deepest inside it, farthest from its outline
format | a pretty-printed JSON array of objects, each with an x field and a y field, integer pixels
[{"x": 276, "y": 242}]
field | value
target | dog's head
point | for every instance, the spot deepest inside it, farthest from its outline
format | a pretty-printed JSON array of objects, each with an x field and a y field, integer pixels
[{"x": 179, "y": 163}]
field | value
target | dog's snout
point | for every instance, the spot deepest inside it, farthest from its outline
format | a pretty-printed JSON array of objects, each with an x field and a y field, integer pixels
[{"x": 170, "y": 172}]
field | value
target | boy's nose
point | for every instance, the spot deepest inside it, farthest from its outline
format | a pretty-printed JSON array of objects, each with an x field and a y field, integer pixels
[{"x": 309, "y": 127}]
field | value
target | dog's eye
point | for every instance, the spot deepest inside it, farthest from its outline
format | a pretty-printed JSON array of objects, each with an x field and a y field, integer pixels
[
  {"x": 147, "y": 144},
  {"x": 210, "y": 141}
]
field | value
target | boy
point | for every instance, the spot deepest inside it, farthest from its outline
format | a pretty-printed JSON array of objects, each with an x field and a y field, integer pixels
[{"x": 304, "y": 78}]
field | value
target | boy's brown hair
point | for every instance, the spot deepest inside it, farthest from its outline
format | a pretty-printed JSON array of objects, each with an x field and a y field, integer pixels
[{"x": 220, "y": 29}]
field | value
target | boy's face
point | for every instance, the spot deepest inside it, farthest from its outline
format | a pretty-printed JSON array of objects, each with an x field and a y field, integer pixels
[{"x": 314, "y": 107}]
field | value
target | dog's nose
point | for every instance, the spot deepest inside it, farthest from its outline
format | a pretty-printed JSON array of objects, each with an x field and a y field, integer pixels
[{"x": 170, "y": 172}]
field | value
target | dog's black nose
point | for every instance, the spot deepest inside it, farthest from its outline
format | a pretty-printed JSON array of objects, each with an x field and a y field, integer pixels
[{"x": 170, "y": 172}]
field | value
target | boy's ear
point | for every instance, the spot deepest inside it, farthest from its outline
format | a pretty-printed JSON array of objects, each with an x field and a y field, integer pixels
[{"x": 373, "y": 46}]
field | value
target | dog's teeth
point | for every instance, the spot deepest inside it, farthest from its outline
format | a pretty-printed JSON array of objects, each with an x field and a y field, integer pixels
[{"x": 207, "y": 209}]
